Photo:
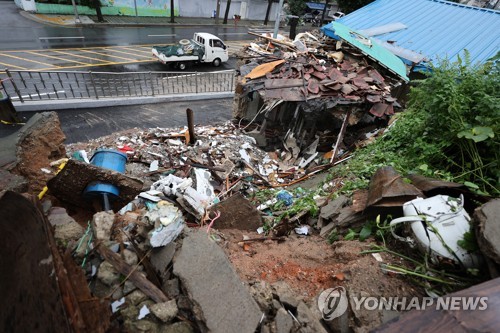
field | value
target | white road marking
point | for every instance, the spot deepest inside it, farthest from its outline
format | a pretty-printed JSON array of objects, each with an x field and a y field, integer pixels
[
  {"x": 232, "y": 33},
  {"x": 76, "y": 37},
  {"x": 167, "y": 35}
]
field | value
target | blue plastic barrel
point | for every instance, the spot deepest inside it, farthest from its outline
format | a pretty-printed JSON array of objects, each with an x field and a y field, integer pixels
[
  {"x": 106, "y": 159},
  {"x": 109, "y": 159}
]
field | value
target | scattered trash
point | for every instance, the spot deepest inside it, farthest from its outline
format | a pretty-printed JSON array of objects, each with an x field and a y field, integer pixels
[
  {"x": 302, "y": 230},
  {"x": 116, "y": 304},
  {"x": 143, "y": 312},
  {"x": 438, "y": 225}
]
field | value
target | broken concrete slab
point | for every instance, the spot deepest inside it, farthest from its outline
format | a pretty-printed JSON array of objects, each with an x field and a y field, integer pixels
[
  {"x": 70, "y": 183},
  {"x": 108, "y": 274},
  {"x": 283, "y": 321},
  {"x": 66, "y": 228},
  {"x": 236, "y": 212},
  {"x": 285, "y": 294},
  {"x": 179, "y": 327},
  {"x": 12, "y": 182},
  {"x": 165, "y": 311},
  {"x": 102, "y": 222},
  {"x": 222, "y": 300},
  {"x": 332, "y": 208},
  {"x": 162, "y": 256},
  {"x": 488, "y": 234},
  {"x": 310, "y": 323}
]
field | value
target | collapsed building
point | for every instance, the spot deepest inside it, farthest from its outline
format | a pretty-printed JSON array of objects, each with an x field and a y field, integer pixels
[{"x": 304, "y": 93}]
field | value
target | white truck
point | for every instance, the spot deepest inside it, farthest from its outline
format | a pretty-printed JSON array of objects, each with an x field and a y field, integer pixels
[{"x": 203, "y": 48}]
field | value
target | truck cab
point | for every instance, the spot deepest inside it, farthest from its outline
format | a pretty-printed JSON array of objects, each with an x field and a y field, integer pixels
[{"x": 215, "y": 50}]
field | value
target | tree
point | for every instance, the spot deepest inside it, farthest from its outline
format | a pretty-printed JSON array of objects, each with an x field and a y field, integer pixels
[
  {"x": 348, "y": 6},
  {"x": 95, "y": 4},
  {"x": 172, "y": 14},
  {"x": 268, "y": 10},
  {"x": 227, "y": 12},
  {"x": 295, "y": 9}
]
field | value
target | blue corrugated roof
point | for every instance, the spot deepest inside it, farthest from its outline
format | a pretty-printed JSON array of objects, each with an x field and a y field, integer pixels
[{"x": 435, "y": 28}]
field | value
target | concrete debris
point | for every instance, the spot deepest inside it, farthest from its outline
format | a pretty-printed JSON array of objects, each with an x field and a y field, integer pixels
[
  {"x": 102, "y": 223},
  {"x": 161, "y": 257},
  {"x": 488, "y": 230},
  {"x": 284, "y": 322},
  {"x": 66, "y": 228},
  {"x": 218, "y": 292},
  {"x": 136, "y": 297},
  {"x": 166, "y": 311},
  {"x": 285, "y": 295},
  {"x": 310, "y": 323},
  {"x": 107, "y": 274},
  {"x": 12, "y": 182},
  {"x": 168, "y": 222}
]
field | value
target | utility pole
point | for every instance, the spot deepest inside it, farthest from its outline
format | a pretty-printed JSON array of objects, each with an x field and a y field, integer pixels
[
  {"x": 217, "y": 12},
  {"x": 77, "y": 18},
  {"x": 277, "y": 22}
]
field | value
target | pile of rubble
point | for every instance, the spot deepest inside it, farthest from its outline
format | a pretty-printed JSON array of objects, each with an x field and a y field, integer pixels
[
  {"x": 304, "y": 93},
  {"x": 157, "y": 229}
]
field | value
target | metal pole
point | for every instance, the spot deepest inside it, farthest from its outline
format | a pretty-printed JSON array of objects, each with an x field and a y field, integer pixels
[
  {"x": 93, "y": 85},
  {"x": 77, "y": 18},
  {"x": 14, "y": 85},
  {"x": 277, "y": 22},
  {"x": 217, "y": 12},
  {"x": 196, "y": 81},
  {"x": 135, "y": 6}
]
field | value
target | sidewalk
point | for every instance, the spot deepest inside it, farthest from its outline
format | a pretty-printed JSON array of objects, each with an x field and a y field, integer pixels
[{"x": 123, "y": 21}]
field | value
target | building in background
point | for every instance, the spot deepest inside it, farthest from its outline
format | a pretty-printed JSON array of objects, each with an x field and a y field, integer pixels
[{"x": 247, "y": 9}]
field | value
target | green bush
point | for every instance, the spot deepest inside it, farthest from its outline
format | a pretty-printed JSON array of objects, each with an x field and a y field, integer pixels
[{"x": 450, "y": 129}]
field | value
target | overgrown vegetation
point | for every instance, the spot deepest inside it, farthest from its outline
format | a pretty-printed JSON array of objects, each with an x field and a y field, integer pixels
[{"x": 449, "y": 131}]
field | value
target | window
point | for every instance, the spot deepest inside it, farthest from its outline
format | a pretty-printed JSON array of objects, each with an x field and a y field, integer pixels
[{"x": 216, "y": 43}]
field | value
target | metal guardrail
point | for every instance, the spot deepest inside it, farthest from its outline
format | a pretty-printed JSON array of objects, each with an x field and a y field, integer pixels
[{"x": 25, "y": 85}]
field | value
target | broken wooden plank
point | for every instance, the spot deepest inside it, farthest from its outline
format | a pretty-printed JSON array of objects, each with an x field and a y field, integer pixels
[
  {"x": 136, "y": 277},
  {"x": 340, "y": 136}
]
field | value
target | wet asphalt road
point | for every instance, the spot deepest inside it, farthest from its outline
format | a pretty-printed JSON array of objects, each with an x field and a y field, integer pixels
[
  {"x": 85, "y": 124},
  {"x": 18, "y": 32}
]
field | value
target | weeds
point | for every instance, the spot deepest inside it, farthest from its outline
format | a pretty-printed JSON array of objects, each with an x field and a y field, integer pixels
[{"x": 449, "y": 131}]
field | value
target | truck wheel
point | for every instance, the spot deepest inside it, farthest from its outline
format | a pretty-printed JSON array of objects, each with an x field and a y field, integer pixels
[
  {"x": 182, "y": 66},
  {"x": 216, "y": 62}
]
